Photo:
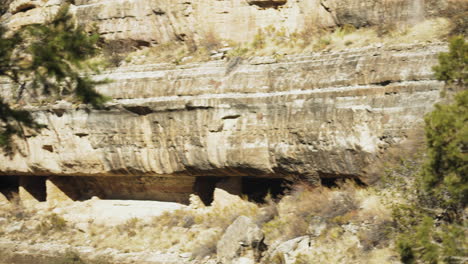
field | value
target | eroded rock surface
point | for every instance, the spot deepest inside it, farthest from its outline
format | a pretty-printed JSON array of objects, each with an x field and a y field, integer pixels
[
  {"x": 242, "y": 235},
  {"x": 159, "y": 21},
  {"x": 318, "y": 115}
]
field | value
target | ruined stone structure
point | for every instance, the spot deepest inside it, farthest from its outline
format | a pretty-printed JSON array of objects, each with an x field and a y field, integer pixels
[{"x": 175, "y": 130}]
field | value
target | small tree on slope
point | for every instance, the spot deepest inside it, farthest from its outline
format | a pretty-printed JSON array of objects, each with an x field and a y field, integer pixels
[
  {"x": 46, "y": 59},
  {"x": 434, "y": 226}
]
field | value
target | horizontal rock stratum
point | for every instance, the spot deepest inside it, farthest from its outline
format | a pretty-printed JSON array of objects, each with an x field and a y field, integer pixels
[
  {"x": 148, "y": 22},
  {"x": 329, "y": 114}
]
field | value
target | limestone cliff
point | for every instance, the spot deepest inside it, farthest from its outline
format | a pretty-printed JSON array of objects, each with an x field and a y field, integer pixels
[
  {"x": 318, "y": 115},
  {"x": 159, "y": 21},
  {"x": 314, "y": 116}
]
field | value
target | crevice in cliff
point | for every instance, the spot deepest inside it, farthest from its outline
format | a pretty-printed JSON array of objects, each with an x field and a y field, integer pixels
[
  {"x": 383, "y": 83},
  {"x": 23, "y": 8},
  {"x": 191, "y": 107},
  {"x": 139, "y": 110},
  {"x": 328, "y": 9},
  {"x": 267, "y": 3},
  {"x": 231, "y": 117}
]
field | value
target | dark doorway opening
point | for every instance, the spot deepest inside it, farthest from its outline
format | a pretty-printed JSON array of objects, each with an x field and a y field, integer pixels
[
  {"x": 35, "y": 186},
  {"x": 257, "y": 189},
  {"x": 204, "y": 187},
  {"x": 9, "y": 186},
  {"x": 67, "y": 186}
]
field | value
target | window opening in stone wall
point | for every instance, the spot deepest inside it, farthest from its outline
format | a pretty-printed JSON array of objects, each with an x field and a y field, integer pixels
[
  {"x": 204, "y": 187},
  {"x": 257, "y": 189},
  {"x": 9, "y": 187},
  {"x": 35, "y": 186}
]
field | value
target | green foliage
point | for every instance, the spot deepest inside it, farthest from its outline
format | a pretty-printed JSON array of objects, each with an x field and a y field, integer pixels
[
  {"x": 405, "y": 249},
  {"x": 432, "y": 226},
  {"x": 46, "y": 59},
  {"x": 445, "y": 172},
  {"x": 426, "y": 241},
  {"x": 14, "y": 122},
  {"x": 453, "y": 65}
]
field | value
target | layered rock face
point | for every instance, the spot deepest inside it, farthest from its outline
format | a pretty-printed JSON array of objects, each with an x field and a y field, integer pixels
[
  {"x": 319, "y": 115},
  {"x": 172, "y": 128},
  {"x": 158, "y": 21}
]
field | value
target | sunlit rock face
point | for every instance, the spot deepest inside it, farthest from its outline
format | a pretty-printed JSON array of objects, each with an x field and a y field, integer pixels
[
  {"x": 315, "y": 116},
  {"x": 321, "y": 115},
  {"x": 149, "y": 22}
]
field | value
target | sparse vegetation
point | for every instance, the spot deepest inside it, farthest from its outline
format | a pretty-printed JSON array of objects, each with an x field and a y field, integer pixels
[
  {"x": 277, "y": 42},
  {"x": 453, "y": 65},
  {"x": 431, "y": 220},
  {"x": 45, "y": 61},
  {"x": 53, "y": 222},
  {"x": 418, "y": 210},
  {"x": 73, "y": 257}
]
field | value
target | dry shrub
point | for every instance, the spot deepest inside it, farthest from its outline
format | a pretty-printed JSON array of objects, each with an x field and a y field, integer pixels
[
  {"x": 115, "y": 51},
  {"x": 398, "y": 162},
  {"x": 178, "y": 52},
  {"x": 15, "y": 210},
  {"x": 69, "y": 257},
  {"x": 206, "y": 246},
  {"x": 457, "y": 12},
  {"x": 307, "y": 204},
  {"x": 177, "y": 218},
  {"x": 210, "y": 41},
  {"x": 185, "y": 230},
  {"x": 268, "y": 211},
  {"x": 384, "y": 29},
  {"x": 128, "y": 227},
  {"x": 376, "y": 236},
  {"x": 52, "y": 222},
  {"x": 222, "y": 217}
]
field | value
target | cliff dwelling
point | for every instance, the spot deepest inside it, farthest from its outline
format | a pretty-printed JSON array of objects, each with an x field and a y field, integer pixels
[
  {"x": 233, "y": 131},
  {"x": 82, "y": 188}
]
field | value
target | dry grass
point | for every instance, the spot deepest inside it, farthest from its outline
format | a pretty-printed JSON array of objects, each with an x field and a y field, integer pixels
[
  {"x": 305, "y": 205},
  {"x": 186, "y": 230},
  {"x": 178, "y": 52},
  {"x": 277, "y": 42},
  {"x": 347, "y": 224}
]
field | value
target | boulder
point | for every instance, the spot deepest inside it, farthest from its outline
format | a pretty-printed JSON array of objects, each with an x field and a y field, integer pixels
[
  {"x": 241, "y": 236},
  {"x": 290, "y": 250},
  {"x": 223, "y": 199}
]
